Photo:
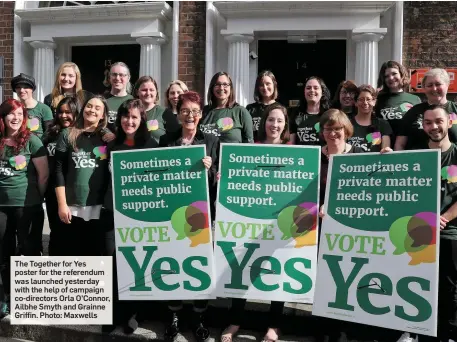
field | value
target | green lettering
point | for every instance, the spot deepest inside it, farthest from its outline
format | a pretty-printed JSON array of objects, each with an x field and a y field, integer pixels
[
  {"x": 302, "y": 278},
  {"x": 268, "y": 232},
  {"x": 377, "y": 245},
  {"x": 342, "y": 286},
  {"x": 254, "y": 227},
  {"x": 257, "y": 270},
  {"x": 138, "y": 271},
  {"x": 163, "y": 234},
  {"x": 203, "y": 277},
  {"x": 242, "y": 233},
  {"x": 362, "y": 240},
  {"x": 350, "y": 245},
  {"x": 236, "y": 281},
  {"x": 150, "y": 231},
  {"x": 157, "y": 272},
  {"x": 331, "y": 245},
  {"x": 121, "y": 234},
  {"x": 422, "y": 305},
  {"x": 224, "y": 230},
  {"x": 366, "y": 286},
  {"x": 140, "y": 234}
]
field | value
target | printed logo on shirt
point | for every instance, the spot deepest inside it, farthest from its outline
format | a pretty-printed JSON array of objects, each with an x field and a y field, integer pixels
[
  {"x": 33, "y": 123},
  {"x": 317, "y": 127},
  {"x": 359, "y": 142},
  {"x": 449, "y": 173},
  {"x": 51, "y": 149},
  {"x": 453, "y": 118},
  {"x": 112, "y": 114},
  {"x": 395, "y": 113},
  {"x": 153, "y": 125},
  {"x": 83, "y": 160},
  {"x": 225, "y": 124},
  {"x": 100, "y": 152},
  {"x": 210, "y": 129},
  {"x": 299, "y": 118},
  {"x": 256, "y": 123},
  {"x": 418, "y": 123},
  {"x": 5, "y": 168},
  {"x": 307, "y": 134},
  {"x": 18, "y": 162},
  {"x": 374, "y": 138}
]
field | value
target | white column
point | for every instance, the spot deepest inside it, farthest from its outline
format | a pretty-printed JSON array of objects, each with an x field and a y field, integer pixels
[
  {"x": 238, "y": 65},
  {"x": 43, "y": 67},
  {"x": 366, "y": 56},
  {"x": 150, "y": 57},
  {"x": 398, "y": 32}
]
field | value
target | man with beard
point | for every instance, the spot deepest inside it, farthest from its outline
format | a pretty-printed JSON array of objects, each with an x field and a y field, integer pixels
[{"x": 436, "y": 124}]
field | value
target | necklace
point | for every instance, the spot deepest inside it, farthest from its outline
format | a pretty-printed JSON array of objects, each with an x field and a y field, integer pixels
[{"x": 328, "y": 155}]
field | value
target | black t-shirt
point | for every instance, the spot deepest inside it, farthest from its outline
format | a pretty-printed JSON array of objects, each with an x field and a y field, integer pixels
[
  {"x": 308, "y": 130},
  {"x": 411, "y": 126},
  {"x": 256, "y": 110},
  {"x": 449, "y": 189},
  {"x": 369, "y": 138}
]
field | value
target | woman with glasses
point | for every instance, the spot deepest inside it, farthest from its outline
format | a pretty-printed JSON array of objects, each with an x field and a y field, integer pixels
[
  {"x": 119, "y": 76},
  {"x": 189, "y": 114},
  {"x": 372, "y": 134},
  {"x": 344, "y": 98},
  {"x": 223, "y": 117},
  {"x": 160, "y": 119},
  {"x": 393, "y": 100},
  {"x": 304, "y": 119}
]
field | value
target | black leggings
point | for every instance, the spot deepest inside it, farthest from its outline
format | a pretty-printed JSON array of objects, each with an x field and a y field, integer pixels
[
  {"x": 236, "y": 313},
  {"x": 55, "y": 225},
  {"x": 20, "y": 234}
]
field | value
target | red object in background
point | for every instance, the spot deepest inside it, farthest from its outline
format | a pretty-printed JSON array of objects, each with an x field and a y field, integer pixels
[{"x": 417, "y": 75}]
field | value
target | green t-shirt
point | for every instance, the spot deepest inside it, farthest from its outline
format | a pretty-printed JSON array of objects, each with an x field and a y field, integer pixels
[
  {"x": 114, "y": 102},
  {"x": 230, "y": 125},
  {"x": 86, "y": 169},
  {"x": 411, "y": 126},
  {"x": 369, "y": 138},
  {"x": 392, "y": 107},
  {"x": 18, "y": 176},
  {"x": 160, "y": 121},
  {"x": 256, "y": 110},
  {"x": 449, "y": 189},
  {"x": 37, "y": 116}
]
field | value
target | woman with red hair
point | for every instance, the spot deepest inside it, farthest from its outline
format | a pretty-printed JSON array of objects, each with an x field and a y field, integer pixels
[{"x": 23, "y": 178}]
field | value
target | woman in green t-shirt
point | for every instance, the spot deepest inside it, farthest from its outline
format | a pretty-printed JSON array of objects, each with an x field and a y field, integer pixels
[
  {"x": 67, "y": 83},
  {"x": 66, "y": 112},
  {"x": 393, "y": 100},
  {"x": 223, "y": 117},
  {"x": 39, "y": 115},
  {"x": 174, "y": 89},
  {"x": 265, "y": 94},
  {"x": 23, "y": 177},
  {"x": 132, "y": 133},
  {"x": 160, "y": 119},
  {"x": 371, "y": 134},
  {"x": 82, "y": 178}
]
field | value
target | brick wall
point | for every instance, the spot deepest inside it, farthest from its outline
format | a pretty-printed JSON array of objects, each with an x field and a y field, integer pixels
[
  {"x": 430, "y": 38},
  {"x": 192, "y": 34},
  {"x": 7, "y": 44}
]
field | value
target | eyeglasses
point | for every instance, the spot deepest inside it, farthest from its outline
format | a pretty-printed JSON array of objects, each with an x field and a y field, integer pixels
[
  {"x": 115, "y": 74},
  {"x": 187, "y": 112},
  {"x": 344, "y": 93},
  {"x": 222, "y": 85},
  {"x": 362, "y": 100},
  {"x": 334, "y": 129}
]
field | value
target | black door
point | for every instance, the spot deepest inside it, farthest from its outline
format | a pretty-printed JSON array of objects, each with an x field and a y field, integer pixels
[
  {"x": 94, "y": 63},
  {"x": 293, "y": 63}
]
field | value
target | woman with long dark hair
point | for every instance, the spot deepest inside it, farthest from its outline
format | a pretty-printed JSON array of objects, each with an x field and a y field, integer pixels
[
  {"x": 304, "y": 119},
  {"x": 82, "y": 178},
  {"x": 23, "y": 178},
  {"x": 372, "y": 134},
  {"x": 132, "y": 133},
  {"x": 393, "y": 99},
  {"x": 223, "y": 117},
  {"x": 344, "y": 98},
  {"x": 66, "y": 112}
]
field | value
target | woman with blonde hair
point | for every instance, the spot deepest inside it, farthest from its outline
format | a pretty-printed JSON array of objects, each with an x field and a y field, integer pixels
[
  {"x": 174, "y": 89},
  {"x": 68, "y": 83},
  {"x": 411, "y": 135}
]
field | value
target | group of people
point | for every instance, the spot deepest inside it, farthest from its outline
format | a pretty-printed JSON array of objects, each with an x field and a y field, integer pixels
[{"x": 58, "y": 152}]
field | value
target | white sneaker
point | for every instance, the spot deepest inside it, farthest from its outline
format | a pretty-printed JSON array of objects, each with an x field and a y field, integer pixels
[{"x": 406, "y": 338}]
